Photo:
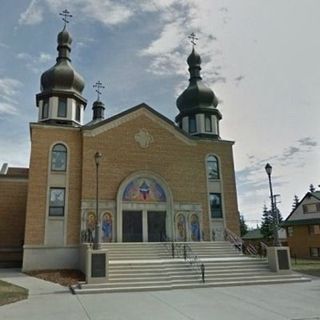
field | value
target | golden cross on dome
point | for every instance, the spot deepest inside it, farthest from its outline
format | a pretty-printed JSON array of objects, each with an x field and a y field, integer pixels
[
  {"x": 66, "y": 14},
  {"x": 99, "y": 86},
  {"x": 193, "y": 38}
]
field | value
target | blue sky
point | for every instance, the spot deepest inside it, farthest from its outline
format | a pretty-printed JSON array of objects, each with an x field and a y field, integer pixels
[{"x": 261, "y": 58}]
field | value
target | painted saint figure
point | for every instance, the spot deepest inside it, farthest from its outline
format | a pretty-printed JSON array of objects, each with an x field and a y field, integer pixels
[
  {"x": 107, "y": 227},
  {"x": 195, "y": 228},
  {"x": 181, "y": 228},
  {"x": 91, "y": 226}
]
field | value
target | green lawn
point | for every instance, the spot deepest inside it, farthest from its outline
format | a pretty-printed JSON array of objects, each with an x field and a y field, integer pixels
[
  {"x": 310, "y": 267},
  {"x": 10, "y": 293}
]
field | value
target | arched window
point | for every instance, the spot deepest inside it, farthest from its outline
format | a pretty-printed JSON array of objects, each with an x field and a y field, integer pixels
[
  {"x": 59, "y": 158},
  {"x": 213, "y": 168}
]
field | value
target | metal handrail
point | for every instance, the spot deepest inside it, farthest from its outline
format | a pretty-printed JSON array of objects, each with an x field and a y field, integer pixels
[
  {"x": 239, "y": 243},
  {"x": 184, "y": 251}
]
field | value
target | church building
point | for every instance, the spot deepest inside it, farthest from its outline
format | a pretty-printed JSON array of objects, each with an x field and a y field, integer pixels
[{"x": 137, "y": 176}]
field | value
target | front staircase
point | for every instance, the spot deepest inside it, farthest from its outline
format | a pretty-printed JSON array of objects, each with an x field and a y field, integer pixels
[{"x": 150, "y": 266}]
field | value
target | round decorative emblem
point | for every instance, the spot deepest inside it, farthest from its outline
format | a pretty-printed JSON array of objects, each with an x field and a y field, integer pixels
[{"x": 144, "y": 138}]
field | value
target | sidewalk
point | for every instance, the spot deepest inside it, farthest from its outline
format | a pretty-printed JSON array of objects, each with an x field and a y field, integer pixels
[{"x": 297, "y": 301}]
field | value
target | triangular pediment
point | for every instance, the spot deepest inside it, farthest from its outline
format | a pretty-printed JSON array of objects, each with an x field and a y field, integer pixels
[
  {"x": 141, "y": 110},
  {"x": 307, "y": 209}
]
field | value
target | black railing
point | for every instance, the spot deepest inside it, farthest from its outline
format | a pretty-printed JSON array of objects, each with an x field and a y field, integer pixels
[{"x": 182, "y": 250}]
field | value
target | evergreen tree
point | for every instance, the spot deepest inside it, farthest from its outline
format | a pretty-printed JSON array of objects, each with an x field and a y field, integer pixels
[
  {"x": 312, "y": 188},
  {"x": 243, "y": 226},
  {"x": 295, "y": 202},
  {"x": 267, "y": 223},
  {"x": 268, "y": 220}
]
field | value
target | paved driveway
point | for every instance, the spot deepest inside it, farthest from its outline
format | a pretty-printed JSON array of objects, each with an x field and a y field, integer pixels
[{"x": 270, "y": 302}]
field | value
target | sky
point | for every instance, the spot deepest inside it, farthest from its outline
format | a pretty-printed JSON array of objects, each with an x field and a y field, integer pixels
[{"x": 261, "y": 58}]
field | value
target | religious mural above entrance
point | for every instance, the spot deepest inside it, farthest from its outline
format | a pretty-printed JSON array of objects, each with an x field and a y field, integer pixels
[{"x": 144, "y": 190}]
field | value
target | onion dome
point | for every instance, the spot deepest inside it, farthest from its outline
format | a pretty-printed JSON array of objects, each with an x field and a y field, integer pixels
[
  {"x": 197, "y": 95},
  {"x": 98, "y": 110},
  {"x": 62, "y": 75}
]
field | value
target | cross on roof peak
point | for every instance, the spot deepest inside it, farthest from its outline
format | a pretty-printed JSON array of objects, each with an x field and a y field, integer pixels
[
  {"x": 99, "y": 86},
  {"x": 193, "y": 38},
  {"x": 66, "y": 14}
]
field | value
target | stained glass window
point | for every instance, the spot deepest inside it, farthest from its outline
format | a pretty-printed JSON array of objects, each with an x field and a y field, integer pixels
[
  {"x": 59, "y": 158},
  {"x": 213, "y": 168},
  {"x": 144, "y": 190},
  {"x": 215, "y": 205},
  {"x": 56, "y": 205}
]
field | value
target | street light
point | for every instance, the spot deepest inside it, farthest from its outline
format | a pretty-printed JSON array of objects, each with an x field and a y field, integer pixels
[
  {"x": 96, "y": 244},
  {"x": 274, "y": 212}
]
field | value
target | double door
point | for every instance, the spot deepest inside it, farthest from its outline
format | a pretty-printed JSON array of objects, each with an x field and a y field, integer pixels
[{"x": 139, "y": 226}]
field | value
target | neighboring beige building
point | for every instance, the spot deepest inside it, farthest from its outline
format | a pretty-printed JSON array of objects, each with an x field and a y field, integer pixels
[
  {"x": 303, "y": 227},
  {"x": 13, "y": 199},
  {"x": 158, "y": 180}
]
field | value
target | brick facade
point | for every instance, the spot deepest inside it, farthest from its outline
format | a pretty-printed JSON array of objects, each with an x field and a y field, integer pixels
[
  {"x": 13, "y": 198},
  {"x": 301, "y": 241}
]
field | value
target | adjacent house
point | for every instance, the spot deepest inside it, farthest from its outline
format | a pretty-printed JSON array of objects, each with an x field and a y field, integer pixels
[{"x": 303, "y": 227}]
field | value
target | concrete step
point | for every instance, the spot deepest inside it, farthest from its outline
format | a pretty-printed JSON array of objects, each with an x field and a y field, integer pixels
[{"x": 169, "y": 286}]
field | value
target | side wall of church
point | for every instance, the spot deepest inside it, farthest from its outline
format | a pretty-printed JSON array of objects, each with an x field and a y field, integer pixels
[{"x": 13, "y": 199}]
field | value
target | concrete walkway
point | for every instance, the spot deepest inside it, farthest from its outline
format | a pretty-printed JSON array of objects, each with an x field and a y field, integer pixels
[{"x": 297, "y": 301}]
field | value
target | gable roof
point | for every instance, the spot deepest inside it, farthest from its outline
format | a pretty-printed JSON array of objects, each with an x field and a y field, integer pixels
[
  {"x": 253, "y": 234},
  {"x": 309, "y": 194},
  {"x": 94, "y": 125}
]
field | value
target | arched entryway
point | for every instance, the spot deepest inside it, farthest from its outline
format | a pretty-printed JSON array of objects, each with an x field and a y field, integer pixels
[{"x": 144, "y": 209}]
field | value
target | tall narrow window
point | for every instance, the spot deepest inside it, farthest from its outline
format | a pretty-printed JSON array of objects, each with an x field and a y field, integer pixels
[
  {"x": 57, "y": 200},
  {"x": 208, "y": 123},
  {"x": 215, "y": 205},
  {"x": 45, "y": 109},
  {"x": 213, "y": 168},
  {"x": 62, "y": 107},
  {"x": 192, "y": 124},
  {"x": 78, "y": 112},
  {"x": 59, "y": 158}
]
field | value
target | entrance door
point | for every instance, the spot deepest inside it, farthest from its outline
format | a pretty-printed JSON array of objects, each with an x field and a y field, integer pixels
[
  {"x": 132, "y": 226},
  {"x": 156, "y": 225}
]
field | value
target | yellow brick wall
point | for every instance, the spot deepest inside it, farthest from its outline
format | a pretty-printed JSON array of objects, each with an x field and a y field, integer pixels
[
  {"x": 43, "y": 137},
  {"x": 301, "y": 241},
  {"x": 13, "y": 198},
  {"x": 180, "y": 164}
]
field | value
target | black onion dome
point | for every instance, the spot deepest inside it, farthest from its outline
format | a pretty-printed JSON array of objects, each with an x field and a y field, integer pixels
[
  {"x": 194, "y": 59},
  {"x": 197, "y": 95},
  {"x": 62, "y": 75}
]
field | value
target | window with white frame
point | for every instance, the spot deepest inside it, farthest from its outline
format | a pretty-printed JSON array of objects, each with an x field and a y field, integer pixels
[
  {"x": 192, "y": 124},
  {"x": 213, "y": 168},
  {"x": 62, "y": 107},
  {"x": 59, "y": 158},
  {"x": 315, "y": 252},
  {"x": 57, "y": 202},
  {"x": 45, "y": 109},
  {"x": 215, "y": 205},
  {"x": 314, "y": 229}
]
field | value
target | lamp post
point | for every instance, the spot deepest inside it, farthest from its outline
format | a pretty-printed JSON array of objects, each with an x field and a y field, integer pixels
[
  {"x": 97, "y": 158},
  {"x": 274, "y": 212}
]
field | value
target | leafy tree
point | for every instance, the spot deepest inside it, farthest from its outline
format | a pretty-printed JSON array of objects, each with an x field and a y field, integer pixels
[
  {"x": 243, "y": 226},
  {"x": 312, "y": 188},
  {"x": 295, "y": 202}
]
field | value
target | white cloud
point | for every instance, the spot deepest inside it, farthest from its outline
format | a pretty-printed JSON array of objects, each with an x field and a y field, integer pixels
[
  {"x": 6, "y": 108},
  {"x": 8, "y": 87},
  {"x": 36, "y": 63},
  {"x": 8, "y": 91},
  {"x": 107, "y": 12},
  {"x": 32, "y": 15}
]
